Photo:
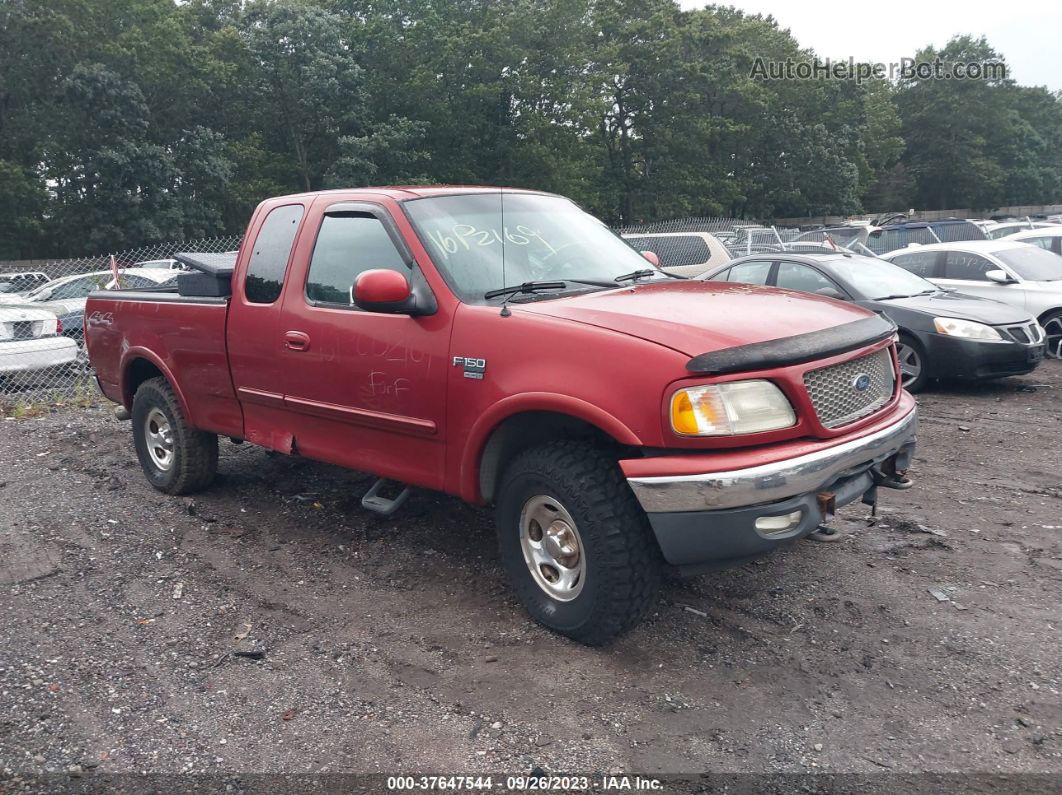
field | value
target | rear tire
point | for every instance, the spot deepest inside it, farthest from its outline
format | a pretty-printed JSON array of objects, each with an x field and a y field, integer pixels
[
  {"x": 176, "y": 458},
  {"x": 575, "y": 543},
  {"x": 914, "y": 370}
]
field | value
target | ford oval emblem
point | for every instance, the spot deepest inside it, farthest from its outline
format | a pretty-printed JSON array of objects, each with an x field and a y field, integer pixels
[{"x": 861, "y": 383}]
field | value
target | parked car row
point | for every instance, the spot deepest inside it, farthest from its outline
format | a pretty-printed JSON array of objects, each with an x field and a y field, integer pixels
[
  {"x": 41, "y": 319},
  {"x": 965, "y": 309}
]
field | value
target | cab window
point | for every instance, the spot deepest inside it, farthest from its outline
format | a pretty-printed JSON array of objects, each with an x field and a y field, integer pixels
[
  {"x": 348, "y": 244},
  {"x": 755, "y": 272},
  {"x": 795, "y": 276},
  {"x": 921, "y": 263},
  {"x": 964, "y": 265}
]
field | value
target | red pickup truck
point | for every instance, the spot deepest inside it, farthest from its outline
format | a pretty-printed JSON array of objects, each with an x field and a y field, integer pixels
[{"x": 508, "y": 348}]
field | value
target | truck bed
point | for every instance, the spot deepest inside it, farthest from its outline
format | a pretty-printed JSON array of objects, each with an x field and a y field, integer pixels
[{"x": 130, "y": 332}]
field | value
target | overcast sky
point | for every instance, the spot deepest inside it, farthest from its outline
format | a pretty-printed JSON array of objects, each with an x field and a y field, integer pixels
[{"x": 1028, "y": 33}]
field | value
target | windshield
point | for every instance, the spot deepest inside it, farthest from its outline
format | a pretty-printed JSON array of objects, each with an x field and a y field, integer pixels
[
  {"x": 7, "y": 287},
  {"x": 877, "y": 279},
  {"x": 486, "y": 241},
  {"x": 1032, "y": 263}
]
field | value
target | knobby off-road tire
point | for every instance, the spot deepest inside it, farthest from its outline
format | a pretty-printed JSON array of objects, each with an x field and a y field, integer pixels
[
  {"x": 176, "y": 458},
  {"x": 581, "y": 498}
]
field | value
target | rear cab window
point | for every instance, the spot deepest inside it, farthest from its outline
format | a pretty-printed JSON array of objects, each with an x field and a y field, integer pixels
[{"x": 272, "y": 250}]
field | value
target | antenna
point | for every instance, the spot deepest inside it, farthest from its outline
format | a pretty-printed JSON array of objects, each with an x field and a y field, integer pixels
[{"x": 505, "y": 312}]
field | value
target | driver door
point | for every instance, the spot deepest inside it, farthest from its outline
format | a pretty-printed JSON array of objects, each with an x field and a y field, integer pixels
[{"x": 364, "y": 390}]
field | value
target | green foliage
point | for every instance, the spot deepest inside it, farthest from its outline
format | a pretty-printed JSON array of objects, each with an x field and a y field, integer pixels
[{"x": 133, "y": 121}]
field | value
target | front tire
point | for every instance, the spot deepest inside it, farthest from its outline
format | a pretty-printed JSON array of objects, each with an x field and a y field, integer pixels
[
  {"x": 176, "y": 458},
  {"x": 1052, "y": 325},
  {"x": 914, "y": 370},
  {"x": 575, "y": 543}
]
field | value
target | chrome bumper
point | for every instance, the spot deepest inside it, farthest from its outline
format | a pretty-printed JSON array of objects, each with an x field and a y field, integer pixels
[{"x": 772, "y": 482}]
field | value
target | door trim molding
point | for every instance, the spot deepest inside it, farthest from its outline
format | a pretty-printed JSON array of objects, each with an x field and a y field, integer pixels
[{"x": 372, "y": 419}]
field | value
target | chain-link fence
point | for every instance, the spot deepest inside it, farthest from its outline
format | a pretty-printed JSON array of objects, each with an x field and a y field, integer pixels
[{"x": 42, "y": 309}]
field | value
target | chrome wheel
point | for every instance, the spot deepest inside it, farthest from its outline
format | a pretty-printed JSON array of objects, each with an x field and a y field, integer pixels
[
  {"x": 910, "y": 363},
  {"x": 159, "y": 439},
  {"x": 552, "y": 548},
  {"x": 1053, "y": 329}
]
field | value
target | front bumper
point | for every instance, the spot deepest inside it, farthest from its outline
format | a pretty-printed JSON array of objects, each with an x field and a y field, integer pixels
[
  {"x": 711, "y": 518},
  {"x": 965, "y": 359}
]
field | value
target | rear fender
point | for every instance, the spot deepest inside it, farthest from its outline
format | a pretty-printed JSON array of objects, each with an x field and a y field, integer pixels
[{"x": 131, "y": 355}]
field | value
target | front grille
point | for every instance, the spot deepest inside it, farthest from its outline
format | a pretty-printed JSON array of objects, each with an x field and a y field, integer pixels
[
  {"x": 835, "y": 394},
  {"x": 1025, "y": 333}
]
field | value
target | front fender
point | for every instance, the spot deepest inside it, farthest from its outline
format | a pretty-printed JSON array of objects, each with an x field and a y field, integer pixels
[{"x": 468, "y": 485}]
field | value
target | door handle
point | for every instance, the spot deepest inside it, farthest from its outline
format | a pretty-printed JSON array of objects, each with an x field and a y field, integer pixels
[{"x": 297, "y": 341}]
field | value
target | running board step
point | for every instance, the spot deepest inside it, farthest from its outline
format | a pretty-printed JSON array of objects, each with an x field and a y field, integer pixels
[{"x": 385, "y": 506}]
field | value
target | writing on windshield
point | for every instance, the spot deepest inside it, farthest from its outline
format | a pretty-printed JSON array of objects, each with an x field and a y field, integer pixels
[{"x": 464, "y": 236}]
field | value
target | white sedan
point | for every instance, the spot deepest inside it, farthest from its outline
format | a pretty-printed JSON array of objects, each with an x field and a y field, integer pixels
[
  {"x": 1048, "y": 238},
  {"x": 1006, "y": 270},
  {"x": 31, "y": 339}
]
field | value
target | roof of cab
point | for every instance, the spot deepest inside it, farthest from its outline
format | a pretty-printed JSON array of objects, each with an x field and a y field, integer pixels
[{"x": 410, "y": 192}]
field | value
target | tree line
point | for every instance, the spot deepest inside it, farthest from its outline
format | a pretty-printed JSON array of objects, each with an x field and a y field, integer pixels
[{"x": 135, "y": 121}]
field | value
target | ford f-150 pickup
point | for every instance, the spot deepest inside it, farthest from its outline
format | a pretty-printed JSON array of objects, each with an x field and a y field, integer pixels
[{"x": 507, "y": 347}]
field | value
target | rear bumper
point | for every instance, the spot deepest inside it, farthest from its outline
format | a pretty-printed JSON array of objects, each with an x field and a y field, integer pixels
[
  {"x": 952, "y": 357},
  {"x": 712, "y": 518},
  {"x": 17, "y": 356}
]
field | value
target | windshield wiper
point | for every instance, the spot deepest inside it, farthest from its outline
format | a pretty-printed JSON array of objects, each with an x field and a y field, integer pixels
[
  {"x": 645, "y": 273},
  {"x": 906, "y": 295},
  {"x": 526, "y": 287}
]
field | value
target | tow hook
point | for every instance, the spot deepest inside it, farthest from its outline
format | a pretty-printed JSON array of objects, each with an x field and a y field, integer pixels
[
  {"x": 827, "y": 501},
  {"x": 892, "y": 478}
]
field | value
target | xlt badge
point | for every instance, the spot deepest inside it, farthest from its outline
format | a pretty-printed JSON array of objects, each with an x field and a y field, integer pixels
[{"x": 474, "y": 368}]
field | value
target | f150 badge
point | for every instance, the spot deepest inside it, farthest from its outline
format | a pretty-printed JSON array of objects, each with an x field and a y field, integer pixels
[{"x": 474, "y": 368}]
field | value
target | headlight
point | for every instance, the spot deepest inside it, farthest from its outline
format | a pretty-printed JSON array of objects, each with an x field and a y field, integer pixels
[
  {"x": 729, "y": 409},
  {"x": 967, "y": 329}
]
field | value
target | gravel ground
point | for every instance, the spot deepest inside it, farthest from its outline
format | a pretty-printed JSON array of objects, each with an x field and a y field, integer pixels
[{"x": 272, "y": 625}]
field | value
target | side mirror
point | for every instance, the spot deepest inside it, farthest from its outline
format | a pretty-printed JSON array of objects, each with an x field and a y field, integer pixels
[
  {"x": 653, "y": 259},
  {"x": 998, "y": 276},
  {"x": 382, "y": 290}
]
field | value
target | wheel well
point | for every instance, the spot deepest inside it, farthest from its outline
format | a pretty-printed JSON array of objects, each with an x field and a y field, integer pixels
[
  {"x": 530, "y": 429},
  {"x": 1053, "y": 311},
  {"x": 137, "y": 372}
]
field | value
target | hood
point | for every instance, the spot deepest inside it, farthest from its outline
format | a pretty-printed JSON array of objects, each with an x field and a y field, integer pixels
[
  {"x": 695, "y": 317},
  {"x": 964, "y": 307}
]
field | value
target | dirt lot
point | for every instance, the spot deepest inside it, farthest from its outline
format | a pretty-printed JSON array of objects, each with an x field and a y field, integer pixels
[{"x": 273, "y": 625}]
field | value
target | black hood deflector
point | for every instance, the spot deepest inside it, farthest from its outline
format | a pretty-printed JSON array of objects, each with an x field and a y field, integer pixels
[{"x": 794, "y": 350}]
